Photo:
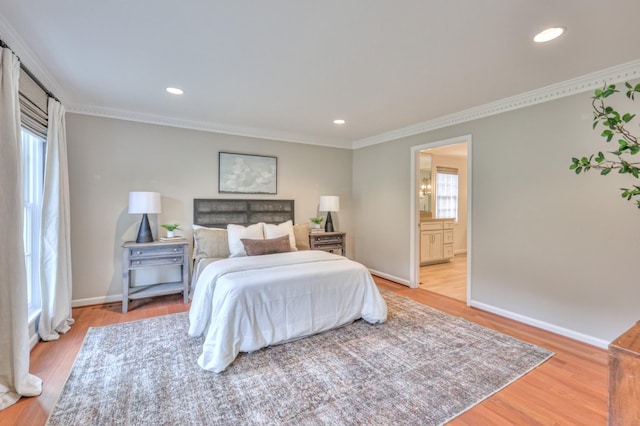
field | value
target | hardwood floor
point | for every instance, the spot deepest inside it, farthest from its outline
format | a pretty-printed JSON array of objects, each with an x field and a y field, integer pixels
[
  {"x": 570, "y": 388},
  {"x": 448, "y": 279}
]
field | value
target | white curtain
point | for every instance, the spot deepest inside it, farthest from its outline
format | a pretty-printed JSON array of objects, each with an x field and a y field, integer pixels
[
  {"x": 15, "y": 380},
  {"x": 55, "y": 245}
]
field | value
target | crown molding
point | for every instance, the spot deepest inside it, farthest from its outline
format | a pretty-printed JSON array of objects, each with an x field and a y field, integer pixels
[
  {"x": 586, "y": 83},
  {"x": 28, "y": 58},
  {"x": 251, "y": 132}
]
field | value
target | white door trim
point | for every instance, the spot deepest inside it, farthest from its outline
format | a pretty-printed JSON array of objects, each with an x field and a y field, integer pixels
[{"x": 414, "y": 221}]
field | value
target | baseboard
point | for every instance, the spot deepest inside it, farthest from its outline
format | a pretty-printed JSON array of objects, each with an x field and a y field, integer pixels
[
  {"x": 461, "y": 251},
  {"x": 542, "y": 325},
  {"x": 390, "y": 277},
  {"x": 33, "y": 334},
  {"x": 96, "y": 300}
]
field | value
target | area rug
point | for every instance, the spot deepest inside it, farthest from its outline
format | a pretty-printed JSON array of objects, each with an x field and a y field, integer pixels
[{"x": 421, "y": 367}]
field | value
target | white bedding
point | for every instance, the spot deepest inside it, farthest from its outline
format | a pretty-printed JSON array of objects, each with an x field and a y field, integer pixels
[{"x": 246, "y": 303}]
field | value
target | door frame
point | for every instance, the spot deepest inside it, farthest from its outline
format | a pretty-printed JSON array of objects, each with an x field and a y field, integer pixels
[{"x": 414, "y": 220}]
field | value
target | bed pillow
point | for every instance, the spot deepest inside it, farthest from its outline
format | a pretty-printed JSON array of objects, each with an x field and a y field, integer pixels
[
  {"x": 210, "y": 242},
  {"x": 275, "y": 231},
  {"x": 301, "y": 232},
  {"x": 236, "y": 232},
  {"x": 268, "y": 246}
]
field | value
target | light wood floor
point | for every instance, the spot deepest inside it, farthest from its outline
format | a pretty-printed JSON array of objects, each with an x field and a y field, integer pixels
[
  {"x": 448, "y": 279},
  {"x": 570, "y": 388}
]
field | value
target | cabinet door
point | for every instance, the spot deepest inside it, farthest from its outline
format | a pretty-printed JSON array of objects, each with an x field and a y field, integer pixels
[
  {"x": 437, "y": 246},
  {"x": 424, "y": 246},
  {"x": 431, "y": 246}
]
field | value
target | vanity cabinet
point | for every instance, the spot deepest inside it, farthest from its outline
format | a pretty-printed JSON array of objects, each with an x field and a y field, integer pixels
[{"x": 436, "y": 241}]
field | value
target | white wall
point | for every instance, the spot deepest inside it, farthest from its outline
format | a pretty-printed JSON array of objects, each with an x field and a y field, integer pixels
[
  {"x": 551, "y": 247},
  {"x": 108, "y": 158}
]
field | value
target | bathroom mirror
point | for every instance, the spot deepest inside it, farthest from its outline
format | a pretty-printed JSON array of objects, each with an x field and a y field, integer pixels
[{"x": 425, "y": 186}]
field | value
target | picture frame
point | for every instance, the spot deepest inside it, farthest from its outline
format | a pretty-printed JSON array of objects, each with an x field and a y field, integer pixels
[{"x": 247, "y": 174}]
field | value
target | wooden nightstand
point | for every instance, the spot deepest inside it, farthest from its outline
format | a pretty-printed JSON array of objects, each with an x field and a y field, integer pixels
[
  {"x": 328, "y": 241},
  {"x": 152, "y": 255}
]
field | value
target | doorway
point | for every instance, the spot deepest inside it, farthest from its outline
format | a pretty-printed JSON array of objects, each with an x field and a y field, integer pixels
[{"x": 441, "y": 217}]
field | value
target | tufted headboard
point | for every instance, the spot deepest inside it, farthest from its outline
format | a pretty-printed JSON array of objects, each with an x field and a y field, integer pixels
[{"x": 218, "y": 213}]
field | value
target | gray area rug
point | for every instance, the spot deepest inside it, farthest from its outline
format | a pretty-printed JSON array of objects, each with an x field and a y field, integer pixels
[{"x": 421, "y": 367}]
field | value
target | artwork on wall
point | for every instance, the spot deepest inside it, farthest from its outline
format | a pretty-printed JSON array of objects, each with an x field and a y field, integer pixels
[{"x": 247, "y": 174}]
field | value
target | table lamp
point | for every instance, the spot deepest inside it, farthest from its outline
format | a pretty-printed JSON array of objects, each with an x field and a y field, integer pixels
[
  {"x": 329, "y": 203},
  {"x": 144, "y": 203}
]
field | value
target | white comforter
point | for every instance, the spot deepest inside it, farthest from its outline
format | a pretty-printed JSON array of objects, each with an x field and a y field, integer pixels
[{"x": 246, "y": 303}]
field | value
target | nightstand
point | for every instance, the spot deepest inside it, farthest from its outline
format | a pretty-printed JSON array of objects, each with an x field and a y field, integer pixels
[
  {"x": 328, "y": 241},
  {"x": 153, "y": 255}
]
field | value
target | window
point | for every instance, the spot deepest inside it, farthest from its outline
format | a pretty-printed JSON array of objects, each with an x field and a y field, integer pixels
[
  {"x": 33, "y": 150},
  {"x": 446, "y": 193}
]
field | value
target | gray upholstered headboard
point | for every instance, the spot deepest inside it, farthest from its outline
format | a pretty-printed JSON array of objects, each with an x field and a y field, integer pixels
[{"x": 218, "y": 213}]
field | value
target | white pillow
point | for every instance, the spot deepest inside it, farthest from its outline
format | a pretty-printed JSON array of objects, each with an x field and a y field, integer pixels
[
  {"x": 275, "y": 231},
  {"x": 236, "y": 232}
]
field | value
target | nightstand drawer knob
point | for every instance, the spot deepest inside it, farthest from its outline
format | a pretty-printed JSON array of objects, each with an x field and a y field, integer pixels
[
  {"x": 175, "y": 259},
  {"x": 138, "y": 252},
  {"x": 137, "y": 262},
  {"x": 175, "y": 249}
]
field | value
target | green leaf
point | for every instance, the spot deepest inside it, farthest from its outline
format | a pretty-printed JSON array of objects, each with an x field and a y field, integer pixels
[
  {"x": 628, "y": 117},
  {"x": 628, "y": 85},
  {"x": 633, "y": 150},
  {"x": 578, "y": 170},
  {"x": 606, "y": 171}
]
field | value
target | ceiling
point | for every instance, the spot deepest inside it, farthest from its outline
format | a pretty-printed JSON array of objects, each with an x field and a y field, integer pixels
[{"x": 285, "y": 69}]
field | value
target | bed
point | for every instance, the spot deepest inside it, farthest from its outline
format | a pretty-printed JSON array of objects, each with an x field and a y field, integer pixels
[{"x": 242, "y": 303}]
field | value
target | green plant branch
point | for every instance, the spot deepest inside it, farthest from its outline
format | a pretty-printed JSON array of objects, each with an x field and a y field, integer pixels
[{"x": 615, "y": 126}]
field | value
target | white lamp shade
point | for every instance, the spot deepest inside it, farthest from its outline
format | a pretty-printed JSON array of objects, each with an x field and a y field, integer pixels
[
  {"x": 329, "y": 203},
  {"x": 144, "y": 202}
]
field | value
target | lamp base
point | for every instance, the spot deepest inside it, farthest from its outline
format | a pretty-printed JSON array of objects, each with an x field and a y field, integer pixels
[
  {"x": 328, "y": 226},
  {"x": 144, "y": 233}
]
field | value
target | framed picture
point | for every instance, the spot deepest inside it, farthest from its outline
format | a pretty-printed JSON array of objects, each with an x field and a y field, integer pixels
[{"x": 247, "y": 174}]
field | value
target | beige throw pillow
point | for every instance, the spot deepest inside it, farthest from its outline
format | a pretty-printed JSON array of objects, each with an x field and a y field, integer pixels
[
  {"x": 210, "y": 242},
  {"x": 301, "y": 233}
]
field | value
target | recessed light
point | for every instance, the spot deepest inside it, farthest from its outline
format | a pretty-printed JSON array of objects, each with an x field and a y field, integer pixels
[
  {"x": 549, "y": 34},
  {"x": 339, "y": 121},
  {"x": 174, "y": 91}
]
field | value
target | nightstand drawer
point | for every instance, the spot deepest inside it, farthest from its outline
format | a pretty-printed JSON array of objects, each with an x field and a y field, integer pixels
[
  {"x": 155, "y": 251},
  {"x": 328, "y": 241},
  {"x": 142, "y": 261}
]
